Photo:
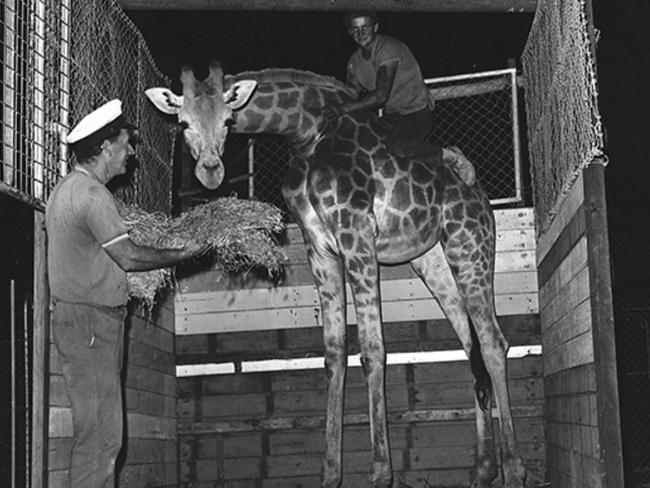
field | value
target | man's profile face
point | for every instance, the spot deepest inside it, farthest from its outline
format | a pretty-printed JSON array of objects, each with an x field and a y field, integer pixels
[
  {"x": 363, "y": 30},
  {"x": 122, "y": 149}
]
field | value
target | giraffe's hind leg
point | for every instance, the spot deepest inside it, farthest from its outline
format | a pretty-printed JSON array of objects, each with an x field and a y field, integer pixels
[
  {"x": 432, "y": 267},
  {"x": 472, "y": 264}
]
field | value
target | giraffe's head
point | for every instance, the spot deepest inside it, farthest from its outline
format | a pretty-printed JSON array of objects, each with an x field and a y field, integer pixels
[{"x": 204, "y": 111}]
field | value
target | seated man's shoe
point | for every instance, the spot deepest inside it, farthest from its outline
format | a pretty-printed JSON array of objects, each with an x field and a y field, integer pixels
[{"x": 461, "y": 165}]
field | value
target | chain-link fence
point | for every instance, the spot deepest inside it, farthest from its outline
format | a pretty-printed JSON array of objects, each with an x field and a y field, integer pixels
[
  {"x": 632, "y": 320},
  {"x": 477, "y": 112}
]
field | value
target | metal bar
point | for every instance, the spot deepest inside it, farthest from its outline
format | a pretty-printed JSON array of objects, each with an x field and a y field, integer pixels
[
  {"x": 503, "y": 201},
  {"x": 9, "y": 92},
  {"x": 12, "y": 339},
  {"x": 40, "y": 355},
  {"x": 39, "y": 98},
  {"x": 470, "y": 76},
  {"x": 64, "y": 87},
  {"x": 468, "y": 6},
  {"x": 22, "y": 196},
  {"x": 516, "y": 147},
  {"x": 28, "y": 404},
  {"x": 251, "y": 167}
]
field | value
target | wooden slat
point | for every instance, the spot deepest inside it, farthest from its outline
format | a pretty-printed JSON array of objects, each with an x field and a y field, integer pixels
[
  {"x": 191, "y": 426},
  {"x": 572, "y": 202},
  {"x": 575, "y": 352},
  {"x": 504, "y": 6},
  {"x": 572, "y": 264},
  {"x": 309, "y": 316},
  {"x": 306, "y": 296}
]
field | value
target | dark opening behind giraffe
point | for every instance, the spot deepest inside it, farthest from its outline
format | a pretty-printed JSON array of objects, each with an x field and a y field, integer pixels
[{"x": 358, "y": 206}]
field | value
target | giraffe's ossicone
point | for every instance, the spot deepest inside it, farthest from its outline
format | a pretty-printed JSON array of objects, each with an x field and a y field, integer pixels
[{"x": 359, "y": 206}]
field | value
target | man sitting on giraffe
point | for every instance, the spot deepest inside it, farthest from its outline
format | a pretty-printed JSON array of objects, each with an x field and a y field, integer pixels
[{"x": 385, "y": 74}]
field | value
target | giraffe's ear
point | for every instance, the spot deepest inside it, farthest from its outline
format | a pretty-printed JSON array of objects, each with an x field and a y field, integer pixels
[
  {"x": 165, "y": 100},
  {"x": 239, "y": 93}
]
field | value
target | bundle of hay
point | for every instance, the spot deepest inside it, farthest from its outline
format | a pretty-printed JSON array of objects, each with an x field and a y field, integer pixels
[{"x": 239, "y": 234}]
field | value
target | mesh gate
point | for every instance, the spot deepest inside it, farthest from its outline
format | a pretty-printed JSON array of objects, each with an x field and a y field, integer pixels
[{"x": 477, "y": 112}]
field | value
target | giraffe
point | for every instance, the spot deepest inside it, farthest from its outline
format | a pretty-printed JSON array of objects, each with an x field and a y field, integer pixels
[{"x": 358, "y": 206}]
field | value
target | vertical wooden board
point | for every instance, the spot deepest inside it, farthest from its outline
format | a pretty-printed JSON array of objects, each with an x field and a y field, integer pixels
[{"x": 59, "y": 453}]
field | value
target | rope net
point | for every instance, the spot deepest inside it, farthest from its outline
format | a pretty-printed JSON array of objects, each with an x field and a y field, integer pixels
[
  {"x": 110, "y": 59},
  {"x": 564, "y": 126}
]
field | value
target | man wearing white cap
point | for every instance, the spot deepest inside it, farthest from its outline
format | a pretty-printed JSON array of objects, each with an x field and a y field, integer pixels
[{"x": 89, "y": 253}]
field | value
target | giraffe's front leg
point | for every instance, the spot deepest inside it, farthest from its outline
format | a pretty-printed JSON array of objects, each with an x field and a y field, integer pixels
[
  {"x": 363, "y": 271},
  {"x": 328, "y": 275}
]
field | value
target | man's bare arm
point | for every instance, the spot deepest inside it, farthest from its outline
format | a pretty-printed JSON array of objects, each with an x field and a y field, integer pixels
[{"x": 131, "y": 257}]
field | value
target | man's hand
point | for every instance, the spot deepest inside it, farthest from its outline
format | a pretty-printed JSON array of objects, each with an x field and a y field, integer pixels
[
  {"x": 195, "y": 248},
  {"x": 332, "y": 112}
]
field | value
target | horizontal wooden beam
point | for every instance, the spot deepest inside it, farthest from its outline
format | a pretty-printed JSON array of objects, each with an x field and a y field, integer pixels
[{"x": 505, "y": 6}]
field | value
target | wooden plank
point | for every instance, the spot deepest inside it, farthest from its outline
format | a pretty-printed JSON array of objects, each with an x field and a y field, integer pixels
[
  {"x": 195, "y": 426},
  {"x": 469, "y": 6},
  {"x": 574, "y": 262},
  {"x": 575, "y": 352},
  {"x": 576, "y": 322},
  {"x": 41, "y": 344},
  {"x": 572, "y": 201},
  {"x": 506, "y": 240},
  {"x": 306, "y": 296},
  {"x": 570, "y": 296},
  {"x": 309, "y": 316},
  {"x": 515, "y": 252},
  {"x": 610, "y": 457}
]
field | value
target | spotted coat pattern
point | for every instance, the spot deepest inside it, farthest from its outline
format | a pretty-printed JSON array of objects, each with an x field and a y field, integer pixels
[{"x": 359, "y": 206}]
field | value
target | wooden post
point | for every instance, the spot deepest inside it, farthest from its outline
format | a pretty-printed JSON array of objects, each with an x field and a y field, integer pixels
[{"x": 40, "y": 356}]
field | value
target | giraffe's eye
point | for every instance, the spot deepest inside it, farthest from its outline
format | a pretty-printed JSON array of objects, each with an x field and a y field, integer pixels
[{"x": 182, "y": 124}]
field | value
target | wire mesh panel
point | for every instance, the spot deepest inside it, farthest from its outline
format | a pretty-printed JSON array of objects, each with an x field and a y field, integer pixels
[
  {"x": 476, "y": 112},
  {"x": 632, "y": 316},
  {"x": 61, "y": 59},
  {"x": 479, "y": 114},
  {"x": 33, "y": 48}
]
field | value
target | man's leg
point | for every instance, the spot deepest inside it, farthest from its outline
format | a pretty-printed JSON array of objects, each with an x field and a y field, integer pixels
[
  {"x": 90, "y": 345},
  {"x": 407, "y": 138},
  {"x": 408, "y": 135}
]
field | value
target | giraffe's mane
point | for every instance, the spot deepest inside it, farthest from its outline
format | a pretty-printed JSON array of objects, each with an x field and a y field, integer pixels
[{"x": 288, "y": 75}]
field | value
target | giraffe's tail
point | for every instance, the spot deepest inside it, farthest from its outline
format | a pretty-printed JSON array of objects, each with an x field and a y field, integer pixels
[{"x": 482, "y": 381}]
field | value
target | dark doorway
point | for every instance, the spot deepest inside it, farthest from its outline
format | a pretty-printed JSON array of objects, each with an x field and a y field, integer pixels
[{"x": 16, "y": 284}]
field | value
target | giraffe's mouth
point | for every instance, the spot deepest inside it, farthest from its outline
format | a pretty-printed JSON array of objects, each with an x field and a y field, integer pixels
[{"x": 211, "y": 176}]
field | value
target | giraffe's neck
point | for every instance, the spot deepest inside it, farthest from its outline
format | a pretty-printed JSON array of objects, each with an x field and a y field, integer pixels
[{"x": 287, "y": 103}]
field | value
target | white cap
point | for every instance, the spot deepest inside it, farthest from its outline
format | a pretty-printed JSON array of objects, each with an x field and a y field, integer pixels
[{"x": 99, "y": 123}]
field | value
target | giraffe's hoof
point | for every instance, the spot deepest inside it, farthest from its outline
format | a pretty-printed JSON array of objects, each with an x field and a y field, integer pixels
[
  {"x": 330, "y": 475},
  {"x": 486, "y": 473},
  {"x": 382, "y": 475},
  {"x": 514, "y": 474}
]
